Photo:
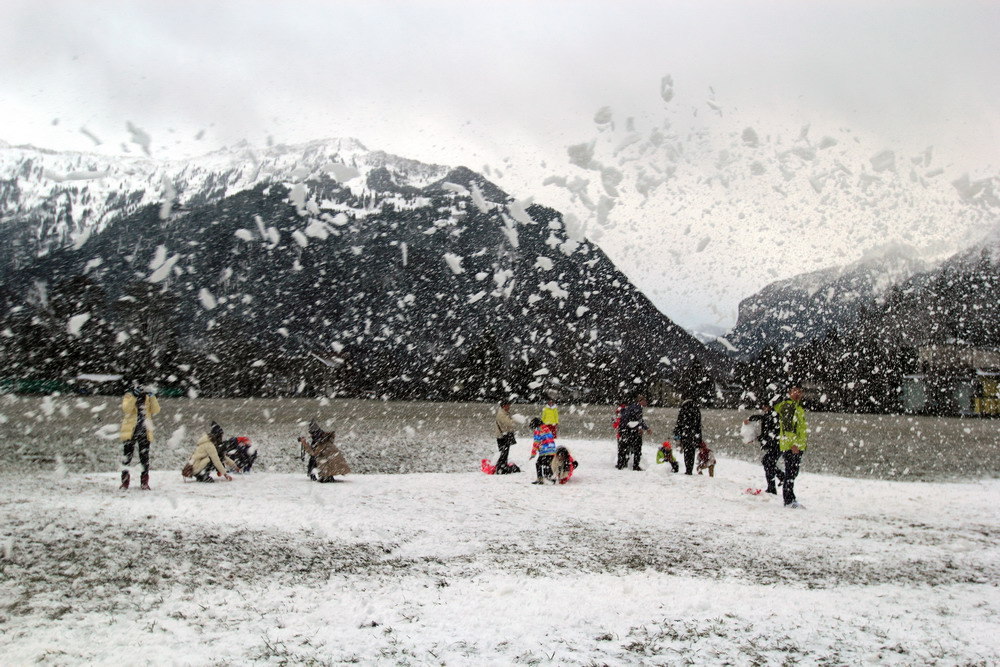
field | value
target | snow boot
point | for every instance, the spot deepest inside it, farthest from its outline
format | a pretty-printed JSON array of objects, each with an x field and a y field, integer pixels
[
  {"x": 771, "y": 488},
  {"x": 144, "y": 482},
  {"x": 125, "y": 480}
]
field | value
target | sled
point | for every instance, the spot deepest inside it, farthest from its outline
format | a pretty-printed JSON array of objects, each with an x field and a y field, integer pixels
[{"x": 490, "y": 469}]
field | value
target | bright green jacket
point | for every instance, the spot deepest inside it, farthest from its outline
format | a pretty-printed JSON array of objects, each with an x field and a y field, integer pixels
[
  {"x": 792, "y": 425},
  {"x": 550, "y": 415}
]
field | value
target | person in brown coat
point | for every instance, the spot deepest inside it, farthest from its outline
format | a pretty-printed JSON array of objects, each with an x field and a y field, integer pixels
[{"x": 325, "y": 459}]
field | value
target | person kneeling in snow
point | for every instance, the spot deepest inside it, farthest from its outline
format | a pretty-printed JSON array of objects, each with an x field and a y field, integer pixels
[
  {"x": 563, "y": 464},
  {"x": 706, "y": 459},
  {"x": 207, "y": 452},
  {"x": 666, "y": 455},
  {"x": 544, "y": 447},
  {"x": 325, "y": 459},
  {"x": 242, "y": 451}
]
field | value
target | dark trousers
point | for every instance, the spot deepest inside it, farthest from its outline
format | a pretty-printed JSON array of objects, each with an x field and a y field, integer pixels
[
  {"x": 543, "y": 466},
  {"x": 503, "y": 444},
  {"x": 629, "y": 445},
  {"x": 689, "y": 452},
  {"x": 770, "y": 463},
  {"x": 140, "y": 438},
  {"x": 793, "y": 462}
]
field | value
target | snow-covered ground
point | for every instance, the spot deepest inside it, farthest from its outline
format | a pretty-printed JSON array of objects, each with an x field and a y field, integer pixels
[{"x": 616, "y": 567}]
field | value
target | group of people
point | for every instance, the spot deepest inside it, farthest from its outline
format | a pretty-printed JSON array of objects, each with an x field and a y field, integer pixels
[
  {"x": 214, "y": 452},
  {"x": 630, "y": 425},
  {"x": 554, "y": 463},
  {"x": 783, "y": 434}
]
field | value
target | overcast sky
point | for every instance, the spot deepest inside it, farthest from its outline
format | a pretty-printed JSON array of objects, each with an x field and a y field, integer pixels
[{"x": 509, "y": 85}]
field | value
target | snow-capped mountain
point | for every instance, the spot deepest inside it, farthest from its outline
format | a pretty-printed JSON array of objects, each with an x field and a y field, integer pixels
[
  {"x": 322, "y": 267},
  {"x": 791, "y": 312},
  {"x": 61, "y": 198}
]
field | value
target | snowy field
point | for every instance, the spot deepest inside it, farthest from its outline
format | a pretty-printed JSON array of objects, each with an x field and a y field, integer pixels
[{"x": 458, "y": 568}]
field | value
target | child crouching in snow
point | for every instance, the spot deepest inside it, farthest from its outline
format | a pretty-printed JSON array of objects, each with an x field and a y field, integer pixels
[
  {"x": 563, "y": 464},
  {"x": 706, "y": 459},
  {"x": 666, "y": 455},
  {"x": 544, "y": 446}
]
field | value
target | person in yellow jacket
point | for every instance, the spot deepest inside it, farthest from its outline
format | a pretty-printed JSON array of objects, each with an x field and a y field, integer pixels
[
  {"x": 792, "y": 435},
  {"x": 138, "y": 408},
  {"x": 550, "y": 416},
  {"x": 206, "y": 456}
]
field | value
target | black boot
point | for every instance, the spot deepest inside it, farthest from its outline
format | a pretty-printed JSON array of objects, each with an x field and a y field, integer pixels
[
  {"x": 771, "y": 488},
  {"x": 125, "y": 479},
  {"x": 144, "y": 481}
]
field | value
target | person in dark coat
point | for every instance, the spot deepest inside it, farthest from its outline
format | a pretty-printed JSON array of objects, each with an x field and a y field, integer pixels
[
  {"x": 769, "y": 428},
  {"x": 687, "y": 432},
  {"x": 241, "y": 451},
  {"x": 631, "y": 426}
]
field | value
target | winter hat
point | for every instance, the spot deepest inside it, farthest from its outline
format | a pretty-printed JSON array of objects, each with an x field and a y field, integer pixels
[
  {"x": 535, "y": 423},
  {"x": 215, "y": 432},
  {"x": 666, "y": 444},
  {"x": 315, "y": 430}
]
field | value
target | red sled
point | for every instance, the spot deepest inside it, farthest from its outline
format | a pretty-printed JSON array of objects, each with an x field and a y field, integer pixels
[{"x": 491, "y": 469}]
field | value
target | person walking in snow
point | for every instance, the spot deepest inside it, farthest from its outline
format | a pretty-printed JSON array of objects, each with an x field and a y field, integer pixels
[
  {"x": 138, "y": 408},
  {"x": 792, "y": 435},
  {"x": 687, "y": 432},
  {"x": 768, "y": 438},
  {"x": 504, "y": 434},
  {"x": 631, "y": 426},
  {"x": 206, "y": 456},
  {"x": 543, "y": 446},
  {"x": 550, "y": 416},
  {"x": 329, "y": 460}
]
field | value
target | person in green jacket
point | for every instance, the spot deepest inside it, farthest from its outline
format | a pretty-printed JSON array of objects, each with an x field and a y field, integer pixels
[
  {"x": 792, "y": 437},
  {"x": 550, "y": 416}
]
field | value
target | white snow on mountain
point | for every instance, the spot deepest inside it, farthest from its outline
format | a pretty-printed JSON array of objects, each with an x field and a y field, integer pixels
[{"x": 90, "y": 188}]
